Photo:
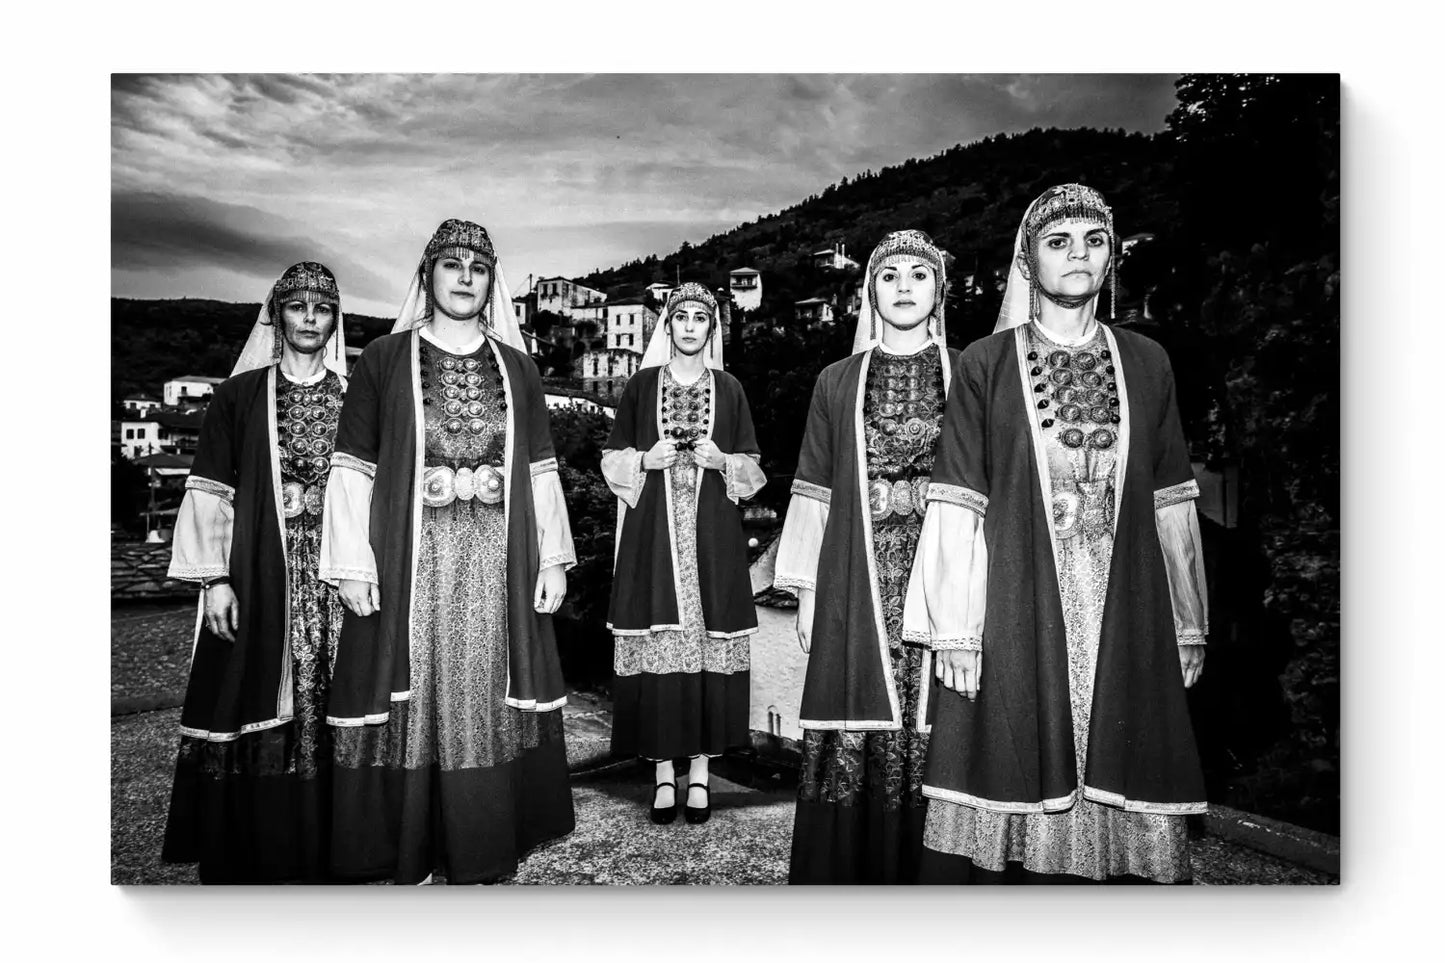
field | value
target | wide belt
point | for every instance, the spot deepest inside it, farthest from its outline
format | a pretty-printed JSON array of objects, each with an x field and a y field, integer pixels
[
  {"x": 441, "y": 485},
  {"x": 897, "y": 498},
  {"x": 298, "y": 497}
]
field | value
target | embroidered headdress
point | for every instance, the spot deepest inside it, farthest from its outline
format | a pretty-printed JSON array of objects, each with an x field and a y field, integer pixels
[
  {"x": 311, "y": 282},
  {"x": 1061, "y": 203},
  {"x": 659, "y": 346},
  {"x": 896, "y": 248},
  {"x": 453, "y": 238}
]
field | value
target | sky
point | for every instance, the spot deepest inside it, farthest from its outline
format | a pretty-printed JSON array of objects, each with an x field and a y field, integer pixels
[{"x": 219, "y": 182}]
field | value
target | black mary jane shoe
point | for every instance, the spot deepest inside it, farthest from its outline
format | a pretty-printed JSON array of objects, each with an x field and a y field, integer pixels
[
  {"x": 698, "y": 815},
  {"x": 662, "y": 815}
]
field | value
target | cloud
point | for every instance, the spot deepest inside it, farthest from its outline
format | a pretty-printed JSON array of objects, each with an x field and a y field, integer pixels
[
  {"x": 244, "y": 174},
  {"x": 158, "y": 232}
]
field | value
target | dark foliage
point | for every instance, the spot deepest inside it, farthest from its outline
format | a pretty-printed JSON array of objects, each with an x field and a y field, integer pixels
[{"x": 154, "y": 341}]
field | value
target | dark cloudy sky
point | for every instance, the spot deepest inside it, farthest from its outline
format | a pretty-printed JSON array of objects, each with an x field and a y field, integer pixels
[{"x": 218, "y": 182}]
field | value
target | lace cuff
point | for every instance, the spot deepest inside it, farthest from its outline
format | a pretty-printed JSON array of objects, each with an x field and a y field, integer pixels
[
  {"x": 744, "y": 476},
  {"x": 346, "y": 525},
  {"x": 622, "y": 470},
  {"x": 554, "y": 528},
  {"x": 1179, "y": 538},
  {"x": 201, "y": 543},
  {"x": 801, "y": 543}
]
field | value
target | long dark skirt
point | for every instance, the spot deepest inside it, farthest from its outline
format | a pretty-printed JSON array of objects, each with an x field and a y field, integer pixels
[
  {"x": 255, "y": 809},
  {"x": 861, "y": 807},
  {"x": 680, "y": 692},
  {"x": 456, "y": 781}
]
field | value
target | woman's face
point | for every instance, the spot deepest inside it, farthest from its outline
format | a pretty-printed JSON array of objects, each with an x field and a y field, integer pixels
[
  {"x": 307, "y": 325},
  {"x": 460, "y": 285},
  {"x": 904, "y": 293},
  {"x": 689, "y": 324},
  {"x": 1073, "y": 258}
]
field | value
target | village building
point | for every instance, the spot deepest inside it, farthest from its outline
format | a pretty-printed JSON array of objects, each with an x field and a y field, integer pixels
[
  {"x": 629, "y": 324},
  {"x": 189, "y": 390},
  {"x": 834, "y": 258},
  {"x": 812, "y": 311},
  {"x": 745, "y": 286}
]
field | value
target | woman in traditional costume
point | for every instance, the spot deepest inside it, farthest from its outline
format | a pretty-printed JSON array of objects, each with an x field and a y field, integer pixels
[
  {"x": 681, "y": 453},
  {"x": 251, "y": 798},
  {"x": 847, "y": 550},
  {"x": 1061, "y": 543},
  {"x": 448, "y": 536}
]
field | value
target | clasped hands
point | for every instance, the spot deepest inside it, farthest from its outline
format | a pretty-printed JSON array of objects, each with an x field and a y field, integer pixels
[{"x": 664, "y": 454}]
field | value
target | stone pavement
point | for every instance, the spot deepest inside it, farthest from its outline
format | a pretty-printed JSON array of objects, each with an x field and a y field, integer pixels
[{"x": 745, "y": 843}]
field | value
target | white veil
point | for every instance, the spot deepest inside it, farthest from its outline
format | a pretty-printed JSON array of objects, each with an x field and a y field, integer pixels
[
  {"x": 869, "y": 331},
  {"x": 259, "y": 350},
  {"x": 500, "y": 318},
  {"x": 659, "y": 346},
  {"x": 1017, "y": 295}
]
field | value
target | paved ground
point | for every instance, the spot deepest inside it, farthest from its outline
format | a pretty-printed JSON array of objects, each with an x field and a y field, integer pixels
[{"x": 745, "y": 843}]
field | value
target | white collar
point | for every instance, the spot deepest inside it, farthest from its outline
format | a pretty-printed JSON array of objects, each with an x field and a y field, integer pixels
[
  {"x": 308, "y": 380},
  {"x": 468, "y": 348},
  {"x": 902, "y": 354},
  {"x": 1088, "y": 335}
]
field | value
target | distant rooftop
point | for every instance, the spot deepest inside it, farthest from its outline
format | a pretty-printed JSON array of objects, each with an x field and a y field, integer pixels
[
  {"x": 206, "y": 379},
  {"x": 743, "y": 270}
]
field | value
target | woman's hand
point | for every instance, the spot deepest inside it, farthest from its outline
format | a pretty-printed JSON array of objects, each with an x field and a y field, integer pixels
[
  {"x": 660, "y": 455},
  {"x": 959, "y": 670},
  {"x": 1191, "y": 662},
  {"x": 551, "y": 589},
  {"x": 360, "y": 597},
  {"x": 223, "y": 612},
  {"x": 706, "y": 454},
  {"x": 805, "y": 619}
]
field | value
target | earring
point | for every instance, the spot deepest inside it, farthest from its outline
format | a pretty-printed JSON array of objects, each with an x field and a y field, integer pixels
[{"x": 1033, "y": 301}]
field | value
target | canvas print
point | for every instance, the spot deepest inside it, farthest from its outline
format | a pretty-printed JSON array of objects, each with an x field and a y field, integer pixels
[{"x": 745, "y": 479}]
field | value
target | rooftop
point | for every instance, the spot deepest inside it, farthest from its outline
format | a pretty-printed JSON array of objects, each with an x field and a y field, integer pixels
[{"x": 204, "y": 379}]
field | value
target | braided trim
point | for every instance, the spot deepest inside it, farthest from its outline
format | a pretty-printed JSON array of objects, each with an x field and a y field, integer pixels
[
  {"x": 341, "y": 459},
  {"x": 815, "y": 492},
  {"x": 543, "y": 466},
  {"x": 1174, "y": 494},
  {"x": 211, "y": 487},
  {"x": 976, "y": 502}
]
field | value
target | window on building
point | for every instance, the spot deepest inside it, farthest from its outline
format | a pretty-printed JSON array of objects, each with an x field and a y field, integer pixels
[{"x": 130, "y": 434}]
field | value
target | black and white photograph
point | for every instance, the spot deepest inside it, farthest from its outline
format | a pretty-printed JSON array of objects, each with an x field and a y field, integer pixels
[{"x": 752, "y": 479}]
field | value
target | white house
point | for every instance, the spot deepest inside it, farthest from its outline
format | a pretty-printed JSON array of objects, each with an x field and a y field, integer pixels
[
  {"x": 659, "y": 291},
  {"x": 565, "y": 297},
  {"x": 171, "y": 432},
  {"x": 188, "y": 388},
  {"x": 138, "y": 438},
  {"x": 141, "y": 404},
  {"x": 813, "y": 311},
  {"x": 629, "y": 324},
  {"x": 834, "y": 258},
  {"x": 746, "y": 287}
]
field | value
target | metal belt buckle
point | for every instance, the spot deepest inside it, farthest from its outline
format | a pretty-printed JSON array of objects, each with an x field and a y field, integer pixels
[
  {"x": 441, "y": 485},
  {"x": 297, "y": 498}
]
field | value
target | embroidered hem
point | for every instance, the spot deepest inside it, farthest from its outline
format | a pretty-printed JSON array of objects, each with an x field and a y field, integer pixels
[
  {"x": 815, "y": 492},
  {"x": 211, "y": 486},
  {"x": 341, "y": 459},
  {"x": 1175, "y": 494},
  {"x": 975, "y": 502}
]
